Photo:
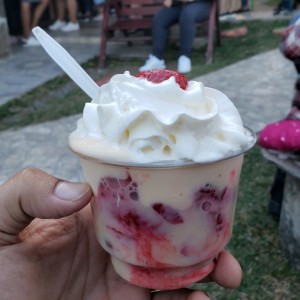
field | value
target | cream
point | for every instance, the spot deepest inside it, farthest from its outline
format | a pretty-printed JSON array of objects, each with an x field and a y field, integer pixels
[{"x": 135, "y": 120}]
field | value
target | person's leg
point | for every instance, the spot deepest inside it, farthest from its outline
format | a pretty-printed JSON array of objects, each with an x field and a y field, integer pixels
[
  {"x": 13, "y": 15},
  {"x": 84, "y": 7},
  {"x": 162, "y": 22},
  {"x": 61, "y": 9},
  {"x": 39, "y": 12},
  {"x": 26, "y": 18},
  {"x": 60, "y": 16},
  {"x": 73, "y": 24},
  {"x": 245, "y": 4},
  {"x": 72, "y": 10},
  {"x": 190, "y": 15},
  {"x": 287, "y": 4}
]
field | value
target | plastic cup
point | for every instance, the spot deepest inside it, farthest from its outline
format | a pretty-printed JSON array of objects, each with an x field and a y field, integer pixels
[{"x": 165, "y": 223}]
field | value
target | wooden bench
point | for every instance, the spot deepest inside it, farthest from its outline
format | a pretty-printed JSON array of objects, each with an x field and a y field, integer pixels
[
  {"x": 134, "y": 19},
  {"x": 289, "y": 224}
]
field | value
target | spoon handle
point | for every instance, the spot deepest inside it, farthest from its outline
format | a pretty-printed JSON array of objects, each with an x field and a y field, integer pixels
[{"x": 67, "y": 63}]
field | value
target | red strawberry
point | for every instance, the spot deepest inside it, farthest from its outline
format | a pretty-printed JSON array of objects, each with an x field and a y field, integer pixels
[
  {"x": 168, "y": 213},
  {"x": 158, "y": 76},
  {"x": 111, "y": 188}
]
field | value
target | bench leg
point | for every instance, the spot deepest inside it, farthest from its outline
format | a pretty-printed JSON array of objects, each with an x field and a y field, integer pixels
[
  {"x": 103, "y": 35},
  {"x": 102, "y": 54},
  {"x": 211, "y": 29},
  {"x": 217, "y": 22}
]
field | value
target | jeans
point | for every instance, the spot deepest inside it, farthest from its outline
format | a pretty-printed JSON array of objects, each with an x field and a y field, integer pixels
[
  {"x": 287, "y": 4},
  {"x": 187, "y": 15}
]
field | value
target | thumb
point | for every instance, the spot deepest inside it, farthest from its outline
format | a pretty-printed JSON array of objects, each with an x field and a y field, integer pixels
[{"x": 33, "y": 193}]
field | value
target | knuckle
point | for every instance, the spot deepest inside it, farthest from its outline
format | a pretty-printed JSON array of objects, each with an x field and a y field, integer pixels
[{"x": 29, "y": 173}]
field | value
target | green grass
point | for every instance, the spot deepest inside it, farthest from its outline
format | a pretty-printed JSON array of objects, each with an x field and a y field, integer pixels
[
  {"x": 60, "y": 97},
  {"x": 255, "y": 241},
  {"x": 272, "y": 3}
]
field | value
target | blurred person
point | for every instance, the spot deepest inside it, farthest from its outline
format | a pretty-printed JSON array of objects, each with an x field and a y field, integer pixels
[
  {"x": 49, "y": 249},
  {"x": 244, "y": 6},
  {"x": 284, "y": 8},
  {"x": 90, "y": 10},
  {"x": 187, "y": 14},
  {"x": 60, "y": 24},
  {"x": 28, "y": 23},
  {"x": 85, "y": 10},
  {"x": 13, "y": 15},
  {"x": 99, "y": 10}
]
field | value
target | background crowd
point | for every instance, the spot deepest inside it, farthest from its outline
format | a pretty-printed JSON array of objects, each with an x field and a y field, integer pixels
[{"x": 64, "y": 15}]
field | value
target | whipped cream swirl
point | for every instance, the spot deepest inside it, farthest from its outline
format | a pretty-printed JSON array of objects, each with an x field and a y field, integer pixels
[{"x": 135, "y": 120}]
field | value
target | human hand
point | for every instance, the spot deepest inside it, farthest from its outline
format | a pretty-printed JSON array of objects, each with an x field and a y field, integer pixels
[{"x": 48, "y": 247}]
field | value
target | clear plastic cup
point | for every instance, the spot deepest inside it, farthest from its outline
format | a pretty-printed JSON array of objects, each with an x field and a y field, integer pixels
[{"x": 164, "y": 223}]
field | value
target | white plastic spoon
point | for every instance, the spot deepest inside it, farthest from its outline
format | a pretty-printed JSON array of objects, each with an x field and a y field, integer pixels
[{"x": 67, "y": 63}]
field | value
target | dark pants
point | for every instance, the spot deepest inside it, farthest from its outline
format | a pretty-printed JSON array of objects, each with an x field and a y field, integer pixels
[
  {"x": 85, "y": 6},
  {"x": 13, "y": 14},
  {"x": 187, "y": 15},
  {"x": 287, "y": 4}
]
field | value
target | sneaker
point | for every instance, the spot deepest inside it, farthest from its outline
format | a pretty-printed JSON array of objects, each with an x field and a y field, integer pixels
[
  {"x": 30, "y": 42},
  {"x": 284, "y": 12},
  {"x": 281, "y": 11},
  {"x": 84, "y": 18},
  {"x": 97, "y": 18},
  {"x": 277, "y": 9},
  {"x": 70, "y": 27},
  {"x": 153, "y": 63},
  {"x": 184, "y": 64},
  {"x": 57, "y": 25}
]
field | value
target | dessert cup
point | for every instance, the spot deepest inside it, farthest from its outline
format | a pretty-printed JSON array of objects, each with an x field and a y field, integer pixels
[{"x": 164, "y": 223}]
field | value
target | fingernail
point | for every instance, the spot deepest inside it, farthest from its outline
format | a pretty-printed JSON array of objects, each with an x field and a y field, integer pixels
[{"x": 70, "y": 191}]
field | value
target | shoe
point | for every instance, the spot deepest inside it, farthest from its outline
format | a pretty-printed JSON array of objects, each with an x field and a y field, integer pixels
[
  {"x": 30, "y": 42},
  {"x": 281, "y": 11},
  {"x": 57, "y": 25},
  {"x": 184, "y": 64},
  {"x": 277, "y": 9},
  {"x": 97, "y": 18},
  {"x": 153, "y": 63},
  {"x": 70, "y": 27},
  {"x": 84, "y": 18},
  {"x": 284, "y": 12}
]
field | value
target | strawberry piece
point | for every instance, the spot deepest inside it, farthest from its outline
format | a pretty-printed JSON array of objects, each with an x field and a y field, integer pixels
[
  {"x": 131, "y": 219},
  {"x": 168, "y": 213},
  {"x": 111, "y": 188},
  {"x": 210, "y": 193},
  {"x": 158, "y": 76}
]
